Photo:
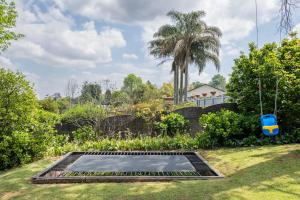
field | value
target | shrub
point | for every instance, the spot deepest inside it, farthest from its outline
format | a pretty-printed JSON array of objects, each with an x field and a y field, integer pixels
[
  {"x": 219, "y": 127},
  {"x": 85, "y": 133},
  {"x": 227, "y": 128},
  {"x": 179, "y": 141},
  {"x": 49, "y": 104},
  {"x": 24, "y": 146},
  {"x": 25, "y": 131},
  {"x": 171, "y": 124},
  {"x": 148, "y": 111},
  {"x": 83, "y": 115}
]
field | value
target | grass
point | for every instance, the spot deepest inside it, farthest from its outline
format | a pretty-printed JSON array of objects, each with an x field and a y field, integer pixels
[{"x": 270, "y": 172}]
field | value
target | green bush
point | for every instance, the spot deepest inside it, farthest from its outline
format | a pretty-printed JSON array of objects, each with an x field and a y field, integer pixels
[
  {"x": 85, "y": 133},
  {"x": 25, "y": 146},
  {"x": 219, "y": 127},
  {"x": 227, "y": 128},
  {"x": 171, "y": 124},
  {"x": 178, "y": 142},
  {"x": 25, "y": 131},
  {"x": 84, "y": 115},
  {"x": 49, "y": 104}
]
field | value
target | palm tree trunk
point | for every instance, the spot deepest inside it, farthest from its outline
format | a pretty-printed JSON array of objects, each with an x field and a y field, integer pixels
[
  {"x": 181, "y": 86},
  {"x": 175, "y": 84},
  {"x": 186, "y": 80},
  {"x": 174, "y": 88}
]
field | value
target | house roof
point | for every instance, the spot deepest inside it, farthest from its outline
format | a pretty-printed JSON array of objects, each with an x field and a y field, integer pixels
[{"x": 206, "y": 85}]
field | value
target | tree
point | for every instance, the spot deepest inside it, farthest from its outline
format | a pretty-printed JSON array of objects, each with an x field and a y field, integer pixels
[
  {"x": 8, "y": 17},
  {"x": 218, "y": 81},
  {"x": 107, "y": 97},
  {"x": 151, "y": 92},
  {"x": 286, "y": 12},
  {"x": 24, "y": 130},
  {"x": 133, "y": 86},
  {"x": 269, "y": 63},
  {"x": 167, "y": 90},
  {"x": 90, "y": 92},
  {"x": 18, "y": 103},
  {"x": 196, "y": 84},
  {"x": 187, "y": 41},
  {"x": 119, "y": 98}
]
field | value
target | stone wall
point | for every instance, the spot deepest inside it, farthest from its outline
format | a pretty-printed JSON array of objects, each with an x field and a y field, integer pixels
[{"x": 124, "y": 123}]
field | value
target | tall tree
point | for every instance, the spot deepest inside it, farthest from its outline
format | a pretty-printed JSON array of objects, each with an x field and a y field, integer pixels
[
  {"x": 218, "y": 81},
  {"x": 8, "y": 17},
  {"x": 167, "y": 90},
  {"x": 91, "y": 92},
  {"x": 189, "y": 40},
  {"x": 133, "y": 87},
  {"x": 196, "y": 84}
]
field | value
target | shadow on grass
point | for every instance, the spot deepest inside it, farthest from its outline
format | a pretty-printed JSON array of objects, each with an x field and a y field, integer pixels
[{"x": 279, "y": 174}]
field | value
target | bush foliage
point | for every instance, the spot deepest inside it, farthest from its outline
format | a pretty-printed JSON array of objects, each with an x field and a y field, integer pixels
[
  {"x": 171, "y": 124},
  {"x": 24, "y": 130},
  {"x": 227, "y": 128},
  {"x": 269, "y": 63},
  {"x": 86, "y": 114}
]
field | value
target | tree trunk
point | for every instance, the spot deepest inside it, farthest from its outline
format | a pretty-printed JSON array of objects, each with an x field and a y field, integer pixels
[
  {"x": 186, "y": 80},
  {"x": 175, "y": 84},
  {"x": 181, "y": 86}
]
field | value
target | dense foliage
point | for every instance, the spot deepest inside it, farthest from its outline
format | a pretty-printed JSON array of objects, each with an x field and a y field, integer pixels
[
  {"x": 269, "y": 63},
  {"x": 227, "y": 128},
  {"x": 218, "y": 81},
  {"x": 18, "y": 104},
  {"x": 84, "y": 133},
  {"x": 180, "y": 141},
  {"x": 25, "y": 131},
  {"x": 55, "y": 105},
  {"x": 91, "y": 92},
  {"x": 171, "y": 124},
  {"x": 82, "y": 115}
]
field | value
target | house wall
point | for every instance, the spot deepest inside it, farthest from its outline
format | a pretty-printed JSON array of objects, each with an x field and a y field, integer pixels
[{"x": 205, "y": 89}]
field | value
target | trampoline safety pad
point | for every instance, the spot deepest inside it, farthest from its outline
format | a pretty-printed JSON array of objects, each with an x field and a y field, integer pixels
[{"x": 78, "y": 167}]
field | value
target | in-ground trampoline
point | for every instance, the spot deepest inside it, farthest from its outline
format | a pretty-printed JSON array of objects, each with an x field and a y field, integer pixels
[{"x": 107, "y": 166}]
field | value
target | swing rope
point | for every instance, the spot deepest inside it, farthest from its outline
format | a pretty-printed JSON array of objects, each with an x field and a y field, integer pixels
[
  {"x": 276, "y": 96},
  {"x": 259, "y": 78},
  {"x": 260, "y": 101}
]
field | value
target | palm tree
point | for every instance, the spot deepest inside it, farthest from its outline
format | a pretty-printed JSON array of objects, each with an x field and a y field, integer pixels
[{"x": 187, "y": 41}]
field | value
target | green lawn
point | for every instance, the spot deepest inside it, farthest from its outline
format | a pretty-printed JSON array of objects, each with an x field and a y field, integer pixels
[{"x": 271, "y": 172}]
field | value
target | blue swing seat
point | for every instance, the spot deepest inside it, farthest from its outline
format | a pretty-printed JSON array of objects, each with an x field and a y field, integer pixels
[{"x": 269, "y": 124}]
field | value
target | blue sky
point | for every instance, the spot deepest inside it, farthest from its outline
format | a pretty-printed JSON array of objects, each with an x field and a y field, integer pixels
[{"x": 95, "y": 40}]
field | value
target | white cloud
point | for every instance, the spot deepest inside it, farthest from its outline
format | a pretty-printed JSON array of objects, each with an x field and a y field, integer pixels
[
  {"x": 129, "y": 56},
  {"x": 235, "y": 18},
  {"x": 6, "y": 63},
  {"x": 51, "y": 39}
]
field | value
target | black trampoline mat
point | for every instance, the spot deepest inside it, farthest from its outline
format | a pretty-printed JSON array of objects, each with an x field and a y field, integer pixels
[{"x": 131, "y": 163}]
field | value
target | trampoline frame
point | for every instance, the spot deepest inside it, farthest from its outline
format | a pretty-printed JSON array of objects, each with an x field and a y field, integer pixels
[{"x": 56, "y": 173}]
